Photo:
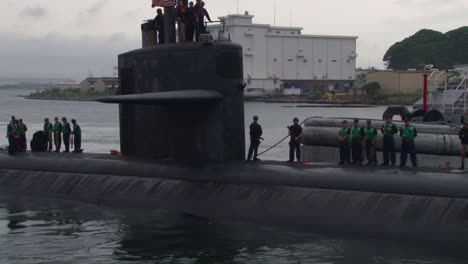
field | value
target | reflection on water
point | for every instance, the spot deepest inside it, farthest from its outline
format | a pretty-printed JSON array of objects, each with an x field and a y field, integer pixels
[{"x": 45, "y": 231}]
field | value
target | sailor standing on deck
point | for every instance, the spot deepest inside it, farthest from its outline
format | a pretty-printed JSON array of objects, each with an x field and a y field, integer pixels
[
  {"x": 371, "y": 139},
  {"x": 255, "y": 136},
  {"x": 388, "y": 130},
  {"x": 13, "y": 136},
  {"x": 159, "y": 25},
  {"x": 463, "y": 135},
  {"x": 22, "y": 129},
  {"x": 357, "y": 138},
  {"x": 190, "y": 19},
  {"x": 343, "y": 137},
  {"x": 57, "y": 134},
  {"x": 180, "y": 18},
  {"x": 408, "y": 133},
  {"x": 12, "y": 122},
  {"x": 295, "y": 131},
  {"x": 76, "y": 136},
  {"x": 66, "y": 130},
  {"x": 48, "y": 131}
]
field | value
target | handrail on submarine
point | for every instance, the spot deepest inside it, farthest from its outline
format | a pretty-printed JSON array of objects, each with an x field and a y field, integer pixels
[{"x": 281, "y": 141}]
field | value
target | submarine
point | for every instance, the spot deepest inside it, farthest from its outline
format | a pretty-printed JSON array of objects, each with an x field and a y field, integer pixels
[{"x": 182, "y": 138}]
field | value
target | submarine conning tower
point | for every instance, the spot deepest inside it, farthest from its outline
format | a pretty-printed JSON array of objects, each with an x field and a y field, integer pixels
[{"x": 182, "y": 101}]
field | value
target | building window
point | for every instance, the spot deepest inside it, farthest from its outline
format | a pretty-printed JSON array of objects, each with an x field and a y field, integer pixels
[
  {"x": 333, "y": 60},
  {"x": 275, "y": 59},
  {"x": 293, "y": 32},
  {"x": 290, "y": 59},
  {"x": 320, "y": 60},
  {"x": 348, "y": 61},
  {"x": 277, "y": 32}
]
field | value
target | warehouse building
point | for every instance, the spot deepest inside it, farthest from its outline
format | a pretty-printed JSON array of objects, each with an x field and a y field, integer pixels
[
  {"x": 101, "y": 84},
  {"x": 68, "y": 86},
  {"x": 282, "y": 57},
  {"x": 408, "y": 82}
]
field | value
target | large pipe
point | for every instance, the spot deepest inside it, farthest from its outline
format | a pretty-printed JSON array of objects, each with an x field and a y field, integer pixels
[
  {"x": 425, "y": 143},
  {"x": 420, "y": 127},
  {"x": 425, "y": 93}
]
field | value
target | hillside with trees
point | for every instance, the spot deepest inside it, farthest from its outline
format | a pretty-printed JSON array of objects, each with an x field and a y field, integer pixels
[{"x": 429, "y": 47}]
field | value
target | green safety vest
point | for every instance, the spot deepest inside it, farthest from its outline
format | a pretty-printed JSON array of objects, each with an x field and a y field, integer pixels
[
  {"x": 66, "y": 127},
  {"x": 356, "y": 132},
  {"x": 22, "y": 129},
  {"x": 76, "y": 130},
  {"x": 407, "y": 132},
  {"x": 344, "y": 131},
  {"x": 47, "y": 127},
  {"x": 387, "y": 126},
  {"x": 57, "y": 127},
  {"x": 370, "y": 133},
  {"x": 14, "y": 128}
]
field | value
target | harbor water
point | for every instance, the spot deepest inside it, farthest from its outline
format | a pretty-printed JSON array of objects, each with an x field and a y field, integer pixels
[{"x": 34, "y": 230}]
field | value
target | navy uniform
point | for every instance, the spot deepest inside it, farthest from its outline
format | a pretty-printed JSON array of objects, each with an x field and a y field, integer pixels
[
  {"x": 343, "y": 136},
  {"x": 407, "y": 134},
  {"x": 295, "y": 131},
  {"x": 388, "y": 130},
  {"x": 255, "y": 136},
  {"x": 159, "y": 25},
  {"x": 48, "y": 131},
  {"x": 357, "y": 136}
]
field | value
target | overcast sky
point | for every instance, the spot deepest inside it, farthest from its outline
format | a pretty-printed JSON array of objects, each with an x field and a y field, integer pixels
[{"x": 69, "y": 39}]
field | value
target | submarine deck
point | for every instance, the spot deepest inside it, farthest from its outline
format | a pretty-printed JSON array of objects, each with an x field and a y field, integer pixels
[{"x": 421, "y": 181}]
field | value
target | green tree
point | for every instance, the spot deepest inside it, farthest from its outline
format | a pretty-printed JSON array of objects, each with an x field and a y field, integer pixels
[
  {"x": 429, "y": 47},
  {"x": 372, "y": 89}
]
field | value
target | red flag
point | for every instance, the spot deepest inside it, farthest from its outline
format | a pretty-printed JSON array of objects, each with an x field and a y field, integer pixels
[{"x": 162, "y": 3}]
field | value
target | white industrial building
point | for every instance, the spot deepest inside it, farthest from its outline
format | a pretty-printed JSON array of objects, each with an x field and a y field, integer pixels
[
  {"x": 282, "y": 56},
  {"x": 101, "y": 84}
]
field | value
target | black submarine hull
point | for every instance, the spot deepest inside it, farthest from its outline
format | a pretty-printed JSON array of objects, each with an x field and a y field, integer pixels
[{"x": 415, "y": 205}]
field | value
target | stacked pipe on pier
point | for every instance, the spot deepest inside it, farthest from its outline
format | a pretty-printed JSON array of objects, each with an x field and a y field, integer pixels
[{"x": 432, "y": 139}]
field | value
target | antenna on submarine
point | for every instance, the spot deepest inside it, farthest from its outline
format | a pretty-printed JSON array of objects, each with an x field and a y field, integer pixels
[
  {"x": 274, "y": 13},
  {"x": 290, "y": 17}
]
